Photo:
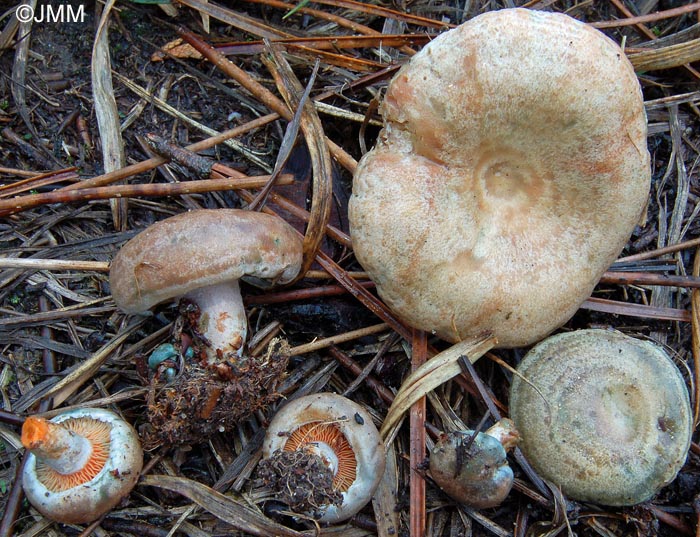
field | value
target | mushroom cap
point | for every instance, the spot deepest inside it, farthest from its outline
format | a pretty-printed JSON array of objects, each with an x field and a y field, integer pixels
[
  {"x": 202, "y": 248},
  {"x": 87, "y": 502},
  {"x": 356, "y": 425},
  {"x": 610, "y": 418},
  {"x": 511, "y": 171},
  {"x": 475, "y": 471}
]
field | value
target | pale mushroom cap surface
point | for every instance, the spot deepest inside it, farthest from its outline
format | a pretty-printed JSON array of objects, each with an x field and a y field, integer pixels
[
  {"x": 202, "y": 248},
  {"x": 612, "y": 421},
  {"x": 91, "y": 500},
  {"x": 358, "y": 428},
  {"x": 510, "y": 173}
]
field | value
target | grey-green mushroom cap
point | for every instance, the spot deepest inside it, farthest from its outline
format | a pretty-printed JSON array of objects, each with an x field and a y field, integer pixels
[
  {"x": 471, "y": 469},
  {"x": 608, "y": 419}
]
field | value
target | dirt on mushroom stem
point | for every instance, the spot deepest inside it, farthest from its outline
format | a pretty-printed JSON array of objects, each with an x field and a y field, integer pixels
[
  {"x": 205, "y": 398},
  {"x": 300, "y": 479}
]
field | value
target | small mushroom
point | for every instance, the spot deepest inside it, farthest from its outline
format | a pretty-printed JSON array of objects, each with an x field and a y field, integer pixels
[
  {"x": 323, "y": 430},
  {"x": 510, "y": 172},
  {"x": 472, "y": 467},
  {"x": 81, "y": 463},
  {"x": 603, "y": 415},
  {"x": 201, "y": 256}
]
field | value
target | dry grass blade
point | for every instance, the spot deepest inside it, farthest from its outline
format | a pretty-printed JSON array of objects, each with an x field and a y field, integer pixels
[
  {"x": 8, "y": 33},
  {"x": 106, "y": 112},
  {"x": 237, "y": 20},
  {"x": 45, "y": 317},
  {"x": 322, "y": 168},
  {"x": 430, "y": 375},
  {"x": 119, "y": 397},
  {"x": 385, "y": 498},
  {"x": 635, "y": 310},
  {"x": 223, "y": 507},
  {"x": 695, "y": 340},
  {"x": 288, "y": 141},
  {"x": 71, "y": 382},
  {"x": 335, "y": 340},
  {"x": 666, "y": 57},
  {"x": 18, "y": 86}
]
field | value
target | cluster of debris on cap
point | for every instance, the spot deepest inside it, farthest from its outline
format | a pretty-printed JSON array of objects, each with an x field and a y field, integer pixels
[{"x": 65, "y": 344}]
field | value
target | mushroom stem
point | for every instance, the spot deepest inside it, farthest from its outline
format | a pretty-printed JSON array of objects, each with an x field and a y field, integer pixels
[
  {"x": 58, "y": 447},
  {"x": 222, "y": 319}
]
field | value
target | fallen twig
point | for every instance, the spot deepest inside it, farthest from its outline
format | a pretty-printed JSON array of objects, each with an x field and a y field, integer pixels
[{"x": 22, "y": 203}]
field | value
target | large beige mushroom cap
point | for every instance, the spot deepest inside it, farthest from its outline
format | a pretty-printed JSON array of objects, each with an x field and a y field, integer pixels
[
  {"x": 604, "y": 416},
  {"x": 510, "y": 173}
]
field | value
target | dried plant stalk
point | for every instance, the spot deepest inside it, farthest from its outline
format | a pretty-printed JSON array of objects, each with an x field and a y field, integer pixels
[
  {"x": 223, "y": 507},
  {"x": 321, "y": 165},
  {"x": 430, "y": 375},
  {"x": 666, "y": 57},
  {"x": 695, "y": 340},
  {"x": 22, "y": 203},
  {"x": 106, "y": 112}
]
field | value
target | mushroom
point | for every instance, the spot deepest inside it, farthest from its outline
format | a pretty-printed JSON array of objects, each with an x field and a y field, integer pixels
[
  {"x": 323, "y": 430},
  {"x": 602, "y": 415},
  {"x": 511, "y": 171},
  {"x": 200, "y": 256},
  {"x": 81, "y": 463},
  {"x": 471, "y": 466}
]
